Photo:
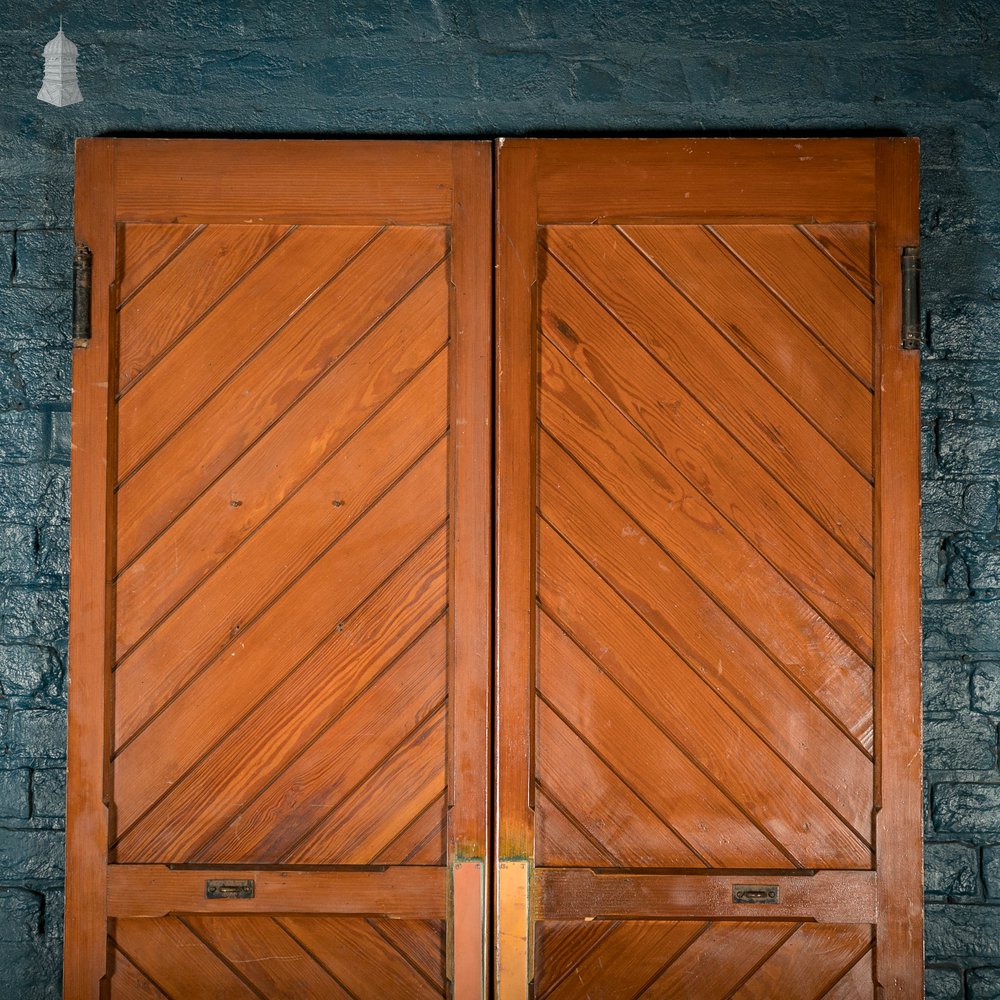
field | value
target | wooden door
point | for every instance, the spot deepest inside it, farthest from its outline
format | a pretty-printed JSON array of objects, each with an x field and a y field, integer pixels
[
  {"x": 708, "y": 705},
  {"x": 279, "y": 711}
]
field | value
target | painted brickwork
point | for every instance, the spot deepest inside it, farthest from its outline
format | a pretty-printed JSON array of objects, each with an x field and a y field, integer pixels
[{"x": 487, "y": 67}]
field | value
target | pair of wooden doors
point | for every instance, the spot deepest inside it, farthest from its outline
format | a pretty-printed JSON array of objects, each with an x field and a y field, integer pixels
[{"x": 494, "y": 572}]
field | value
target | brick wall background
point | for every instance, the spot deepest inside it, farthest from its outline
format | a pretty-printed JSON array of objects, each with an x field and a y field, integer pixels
[{"x": 488, "y": 67}]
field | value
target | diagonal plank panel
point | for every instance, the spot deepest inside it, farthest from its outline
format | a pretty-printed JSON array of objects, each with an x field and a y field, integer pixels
[
  {"x": 285, "y": 282},
  {"x": 603, "y": 805},
  {"x": 705, "y": 705},
  {"x": 674, "y": 695},
  {"x": 825, "y": 298},
  {"x": 708, "y": 546},
  {"x": 850, "y": 246},
  {"x": 156, "y": 316},
  {"x": 233, "y": 765},
  {"x": 807, "y": 464},
  {"x": 560, "y": 841},
  {"x": 151, "y": 501},
  {"x": 422, "y": 842},
  {"x": 766, "y": 333},
  {"x": 639, "y": 570},
  {"x": 128, "y": 983},
  {"x": 244, "y": 583},
  {"x": 591, "y": 704},
  {"x": 146, "y": 247},
  {"x": 814, "y": 958},
  {"x": 686, "y": 434},
  {"x": 374, "y": 814}
]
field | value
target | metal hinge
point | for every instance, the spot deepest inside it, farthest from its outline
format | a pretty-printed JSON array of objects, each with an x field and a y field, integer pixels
[
  {"x": 910, "y": 264},
  {"x": 82, "y": 267}
]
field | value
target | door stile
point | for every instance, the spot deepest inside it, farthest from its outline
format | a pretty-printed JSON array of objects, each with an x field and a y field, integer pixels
[
  {"x": 516, "y": 267},
  {"x": 899, "y": 954},
  {"x": 470, "y": 542},
  {"x": 90, "y": 590}
]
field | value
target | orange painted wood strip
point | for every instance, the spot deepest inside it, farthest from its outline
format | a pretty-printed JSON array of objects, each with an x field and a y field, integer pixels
[
  {"x": 780, "y": 347},
  {"x": 710, "y": 459},
  {"x": 239, "y": 588},
  {"x": 826, "y": 300},
  {"x": 145, "y": 249},
  {"x": 806, "y": 464},
  {"x": 284, "y": 283},
  {"x": 276, "y": 642},
  {"x": 206, "y": 269}
]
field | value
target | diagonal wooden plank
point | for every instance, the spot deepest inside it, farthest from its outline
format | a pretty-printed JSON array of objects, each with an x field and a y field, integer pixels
[
  {"x": 601, "y": 803},
  {"x": 145, "y": 248},
  {"x": 717, "y": 960},
  {"x": 640, "y": 754},
  {"x": 387, "y": 801},
  {"x": 642, "y": 572},
  {"x": 560, "y": 946},
  {"x": 627, "y": 959},
  {"x": 241, "y": 586},
  {"x": 177, "y": 961},
  {"x": 360, "y": 958},
  {"x": 206, "y": 269},
  {"x": 731, "y": 746},
  {"x": 423, "y": 841},
  {"x": 825, "y": 299},
  {"x": 709, "y": 547},
  {"x": 421, "y": 941},
  {"x": 128, "y": 983},
  {"x": 291, "y": 629},
  {"x": 783, "y": 350},
  {"x": 315, "y": 424},
  {"x": 710, "y": 459},
  {"x": 271, "y": 296},
  {"x": 267, "y": 956},
  {"x": 805, "y": 965},
  {"x": 232, "y": 766},
  {"x": 560, "y": 842},
  {"x": 857, "y": 983},
  {"x": 770, "y": 427},
  {"x": 850, "y": 246}
]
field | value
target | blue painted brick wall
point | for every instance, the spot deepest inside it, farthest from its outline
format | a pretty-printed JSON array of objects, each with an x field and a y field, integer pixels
[{"x": 485, "y": 67}]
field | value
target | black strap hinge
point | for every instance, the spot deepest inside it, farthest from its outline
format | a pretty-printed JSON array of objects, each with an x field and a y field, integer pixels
[
  {"x": 910, "y": 263},
  {"x": 82, "y": 264}
]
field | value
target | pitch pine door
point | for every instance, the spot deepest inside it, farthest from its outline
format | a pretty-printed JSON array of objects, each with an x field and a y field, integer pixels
[
  {"x": 705, "y": 701},
  {"x": 707, "y": 682},
  {"x": 280, "y": 700}
]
